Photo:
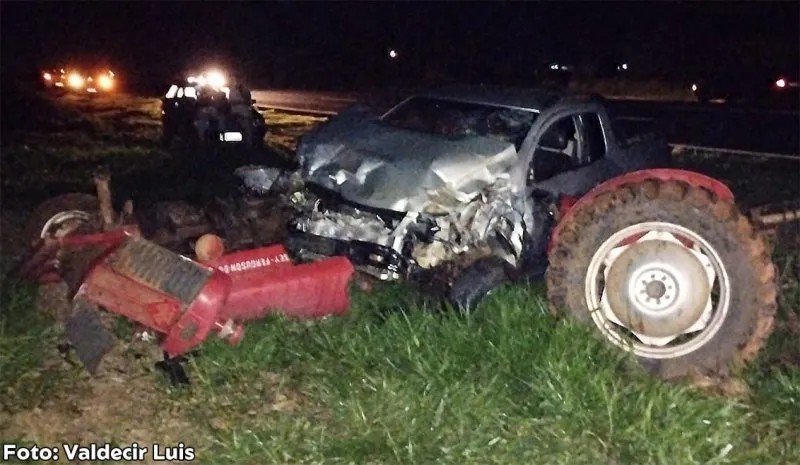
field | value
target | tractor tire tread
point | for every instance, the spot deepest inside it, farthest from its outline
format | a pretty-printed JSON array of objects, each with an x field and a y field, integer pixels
[
  {"x": 45, "y": 210},
  {"x": 566, "y": 286}
]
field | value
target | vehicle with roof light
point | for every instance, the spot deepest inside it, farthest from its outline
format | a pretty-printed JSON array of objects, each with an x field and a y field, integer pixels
[{"x": 209, "y": 110}]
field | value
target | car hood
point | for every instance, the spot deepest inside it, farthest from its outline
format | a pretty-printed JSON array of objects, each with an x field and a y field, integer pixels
[{"x": 389, "y": 168}]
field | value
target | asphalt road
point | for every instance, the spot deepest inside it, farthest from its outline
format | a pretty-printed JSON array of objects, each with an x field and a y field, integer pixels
[
  {"x": 325, "y": 103},
  {"x": 719, "y": 126}
]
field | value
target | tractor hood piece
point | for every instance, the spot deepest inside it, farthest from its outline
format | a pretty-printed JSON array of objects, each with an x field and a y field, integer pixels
[{"x": 379, "y": 166}]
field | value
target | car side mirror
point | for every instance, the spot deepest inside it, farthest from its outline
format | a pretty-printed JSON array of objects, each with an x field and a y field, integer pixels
[{"x": 253, "y": 101}]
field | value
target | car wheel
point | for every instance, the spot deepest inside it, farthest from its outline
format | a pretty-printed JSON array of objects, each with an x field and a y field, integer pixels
[{"x": 476, "y": 282}]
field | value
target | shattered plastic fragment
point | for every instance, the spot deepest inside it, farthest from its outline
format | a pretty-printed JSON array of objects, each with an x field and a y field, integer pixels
[{"x": 258, "y": 178}]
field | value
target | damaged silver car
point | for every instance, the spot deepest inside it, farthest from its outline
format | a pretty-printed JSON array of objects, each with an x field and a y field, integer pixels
[{"x": 450, "y": 179}]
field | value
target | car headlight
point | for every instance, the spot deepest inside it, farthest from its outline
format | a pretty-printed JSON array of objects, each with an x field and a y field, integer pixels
[
  {"x": 105, "y": 82},
  {"x": 75, "y": 80},
  {"x": 215, "y": 79},
  {"x": 212, "y": 78}
]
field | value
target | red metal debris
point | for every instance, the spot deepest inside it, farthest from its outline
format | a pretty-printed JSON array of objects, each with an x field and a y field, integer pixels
[
  {"x": 186, "y": 300},
  {"x": 265, "y": 280}
]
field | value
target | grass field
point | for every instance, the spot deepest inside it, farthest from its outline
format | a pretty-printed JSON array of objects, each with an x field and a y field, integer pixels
[{"x": 395, "y": 381}]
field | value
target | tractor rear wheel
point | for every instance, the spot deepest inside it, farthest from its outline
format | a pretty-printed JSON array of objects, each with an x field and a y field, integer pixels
[
  {"x": 669, "y": 272},
  {"x": 55, "y": 218},
  {"x": 60, "y": 216}
]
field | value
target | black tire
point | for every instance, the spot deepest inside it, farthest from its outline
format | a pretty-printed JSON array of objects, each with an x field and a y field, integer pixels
[
  {"x": 476, "y": 282},
  {"x": 51, "y": 207},
  {"x": 742, "y": 252}
]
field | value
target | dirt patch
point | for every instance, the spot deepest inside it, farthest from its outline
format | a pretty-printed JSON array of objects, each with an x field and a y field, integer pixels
[
  {"x": 125, "y": 402},
  {"x": 733, "y": 388}
]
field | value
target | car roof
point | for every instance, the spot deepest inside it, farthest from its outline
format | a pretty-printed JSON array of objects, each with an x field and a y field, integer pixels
[{"x": 511, "y": 97}]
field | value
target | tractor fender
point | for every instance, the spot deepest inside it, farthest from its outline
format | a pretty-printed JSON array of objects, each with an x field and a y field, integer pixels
[{"x": 569, "y": 207}]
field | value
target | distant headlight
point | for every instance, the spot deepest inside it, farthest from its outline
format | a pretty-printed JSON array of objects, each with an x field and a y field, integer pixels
[
  {"x": 105, "y": 82},
  {"x": 75, "y": 80},
  {"x": 780, "y": 83},
  {"x": 694, "y": 87},
  {"x": 47, "y": 76},
  {"x": 212, "y": 78},
  {"x": 215, "y": 79}
]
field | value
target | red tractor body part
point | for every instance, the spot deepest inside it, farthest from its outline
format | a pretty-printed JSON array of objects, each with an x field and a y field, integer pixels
[
  {"x": 42, "y": 262},
  {"x": 265, "y": 280},
  {"x": 161, "y": 290},
  {"x": 569, "y": 206},
  {"x": 184, "y": 300}
]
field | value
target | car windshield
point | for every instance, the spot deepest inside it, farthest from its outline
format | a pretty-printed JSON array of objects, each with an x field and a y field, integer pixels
[{"x": 454, "y": 119}]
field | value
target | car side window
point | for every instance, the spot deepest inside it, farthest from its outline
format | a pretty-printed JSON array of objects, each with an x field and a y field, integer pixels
[
  {"x": 173, "y": 90},
  {"x": 556, "y": 151},
  {"x": 571, "y": 142}
]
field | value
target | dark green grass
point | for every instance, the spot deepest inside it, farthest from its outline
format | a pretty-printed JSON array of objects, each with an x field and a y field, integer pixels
[
  {"x": 508, "y": 385},
  {"x": 21, "y": 334},
  {"x": 58, "y": 140},
  {"x": 399, "y": 380}
]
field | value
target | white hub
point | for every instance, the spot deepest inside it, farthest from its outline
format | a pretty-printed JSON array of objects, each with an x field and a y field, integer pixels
[{"x": 653, "y": 285}]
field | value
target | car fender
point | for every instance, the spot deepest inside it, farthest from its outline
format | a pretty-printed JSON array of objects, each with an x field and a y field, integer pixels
[{"x": 569, "y": 208}]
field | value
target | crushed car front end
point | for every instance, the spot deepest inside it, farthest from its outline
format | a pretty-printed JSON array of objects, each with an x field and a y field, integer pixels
[{"x": 399, "y": 197}]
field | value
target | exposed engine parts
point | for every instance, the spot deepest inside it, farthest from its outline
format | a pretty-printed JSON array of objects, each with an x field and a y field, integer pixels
[{"x": 424, "y": 240}]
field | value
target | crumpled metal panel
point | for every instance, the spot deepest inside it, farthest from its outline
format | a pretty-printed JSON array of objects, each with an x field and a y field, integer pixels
[
  {"x": 494, "y": 214},
  {"x": 462, "y": 193},
  {"x": 390, "y": 168}
]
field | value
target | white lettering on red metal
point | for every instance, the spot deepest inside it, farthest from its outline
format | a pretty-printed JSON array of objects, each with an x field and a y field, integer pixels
[{"x": 254, "y": 263}]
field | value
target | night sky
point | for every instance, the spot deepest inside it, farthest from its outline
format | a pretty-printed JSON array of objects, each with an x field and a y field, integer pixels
[{"x": 345, "y": 45}]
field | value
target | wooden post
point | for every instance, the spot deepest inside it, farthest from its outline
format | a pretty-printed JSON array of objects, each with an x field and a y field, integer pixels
[{"x": 102, "y": 183}]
